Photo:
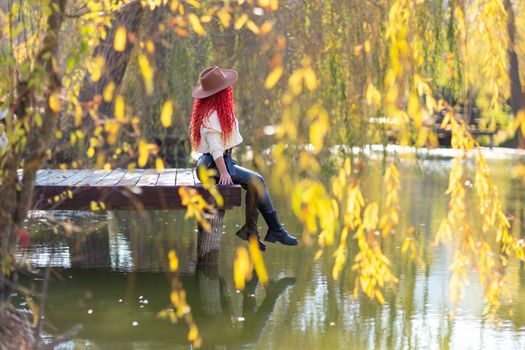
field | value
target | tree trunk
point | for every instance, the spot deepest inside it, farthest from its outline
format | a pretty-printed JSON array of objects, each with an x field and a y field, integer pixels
[
  {"x": 16, "y": 194},
  {"x": 514, "y": 71},
  {"x": 209, "y": 243},
  {"x": 115, "y": 62},
  {"x": 14, "y": 203}
]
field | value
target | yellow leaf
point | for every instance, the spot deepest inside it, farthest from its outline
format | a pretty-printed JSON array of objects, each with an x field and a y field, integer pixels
[
  {"x": 35, "y": 308},
  {"x": 257, "y": 259},
  {"x": 196, "y": 24},
  {"x": 310, "y": 80},
  {"x": 90, "y": 152},
  {"x": 372, "y": 96},
  {"x": 78, "y": 115},
  {"x": 193, "y": 333},
  {"x": 94, "y": 206},
  {"x": 241, "y": 21},
  {"x": 224, "y": 17},
  {"x": 143, "y": 153},
  {"x": 54, "y": 103},
  {"x": 414, "y": 109},
  {"x": 348, "y": 166},
  {"x": 96, "y": 67},
  {"x": 173, "y": 261},
  {"x": 159, "y": 165},
  {"x": 520, "y": 117},
  {"x": 367, "y": 46},
  {"x": 273, "y": 77},
  {"x": 379, "y": 296},
  {"x": 120, "y": 39},
  {"x": 357, "y": 50},
  {"x": 150, "y": 47},
  {"x": 241, "y": 268},
  {"x": 405, "y": 246},
  {"x": 147, "y": 73},
  {"x": 266, "y": 27},
  {"x": 445, "y": 120},
  {"x": 109, "y": 89},
  {"x": 174, "y": 5},
  {"x": 253, "y": 27},
  {"x": 166, "y": 114},
  {"x": 163, "y": 314},
  {"x": 422, "y": 137},
  {"x": 194, "y": 3},
  {"x": 318, "y": 130},
  {"x": 119, "y": 109},
  {"x": 295, "y": 81}
]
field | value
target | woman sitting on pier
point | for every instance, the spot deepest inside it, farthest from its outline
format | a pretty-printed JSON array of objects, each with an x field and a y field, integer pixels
[{"x": 214, "y": 131}]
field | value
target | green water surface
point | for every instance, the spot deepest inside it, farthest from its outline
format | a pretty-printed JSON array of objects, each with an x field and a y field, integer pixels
[{"x": 113, "y": 283}]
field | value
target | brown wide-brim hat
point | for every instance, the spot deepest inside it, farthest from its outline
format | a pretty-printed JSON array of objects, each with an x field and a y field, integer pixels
[{"x": 213, "y": 80}]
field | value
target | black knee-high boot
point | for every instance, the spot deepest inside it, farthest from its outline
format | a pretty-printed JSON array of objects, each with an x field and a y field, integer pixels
[
  {"x": 277, "y": 233},
  {"x": 250, "y": 226}
]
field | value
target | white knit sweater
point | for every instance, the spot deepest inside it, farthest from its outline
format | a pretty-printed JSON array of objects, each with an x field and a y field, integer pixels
[{"x": 211, "y": 137}]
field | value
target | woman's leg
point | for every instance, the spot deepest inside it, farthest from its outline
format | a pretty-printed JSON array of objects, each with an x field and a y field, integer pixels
[
  {"x": 251, "y": 214},
  {"x": 256, "y": 188},
  {"x": 253, "y": 182}
]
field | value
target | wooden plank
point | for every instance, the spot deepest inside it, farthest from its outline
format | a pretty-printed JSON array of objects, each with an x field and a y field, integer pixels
[
  {"x": 95, "y": 177},
  {"x": 57, "y": 176},
  {"x": 167, "y": 177},
  {"x": 43, "y": 174},
  {"x": 73, "y": 180},
  {"x": 149, "y": 178},
  {"x": 185, "y": 177},
  {"x": 131, "y": 178},
  {"x": 113, "y": 178},
  {"x": 120, "y": 198}
]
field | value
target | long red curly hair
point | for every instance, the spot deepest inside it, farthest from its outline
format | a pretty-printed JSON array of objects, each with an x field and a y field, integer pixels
[{"x": 222, "y": 102}]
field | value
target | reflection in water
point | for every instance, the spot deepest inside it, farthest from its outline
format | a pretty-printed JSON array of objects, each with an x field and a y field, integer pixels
[
  {"x": 123, "y": 282},
  {"x": 42, "y": 255},
  {"x": 119, "y": 246}
]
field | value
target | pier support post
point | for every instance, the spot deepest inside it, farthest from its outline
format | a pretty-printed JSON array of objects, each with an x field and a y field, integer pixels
[
  {"x": 209, "y": 243},
  {"x": 209, "y": 282}
]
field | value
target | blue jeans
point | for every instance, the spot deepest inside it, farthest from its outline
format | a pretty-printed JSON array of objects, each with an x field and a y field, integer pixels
[{"x": 253, "y": 182}]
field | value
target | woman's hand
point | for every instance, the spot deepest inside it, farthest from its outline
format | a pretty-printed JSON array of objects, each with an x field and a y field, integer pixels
[{"x": 225, "y": 179}]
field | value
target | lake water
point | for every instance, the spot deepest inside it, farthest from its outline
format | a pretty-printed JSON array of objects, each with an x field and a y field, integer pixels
[{"x": 117, "y": 289}]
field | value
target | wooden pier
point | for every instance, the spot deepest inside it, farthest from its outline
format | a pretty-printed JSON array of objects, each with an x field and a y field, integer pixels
[
  {"x": 141, "y": 189},
  {"x": 120, "y": 189}
]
